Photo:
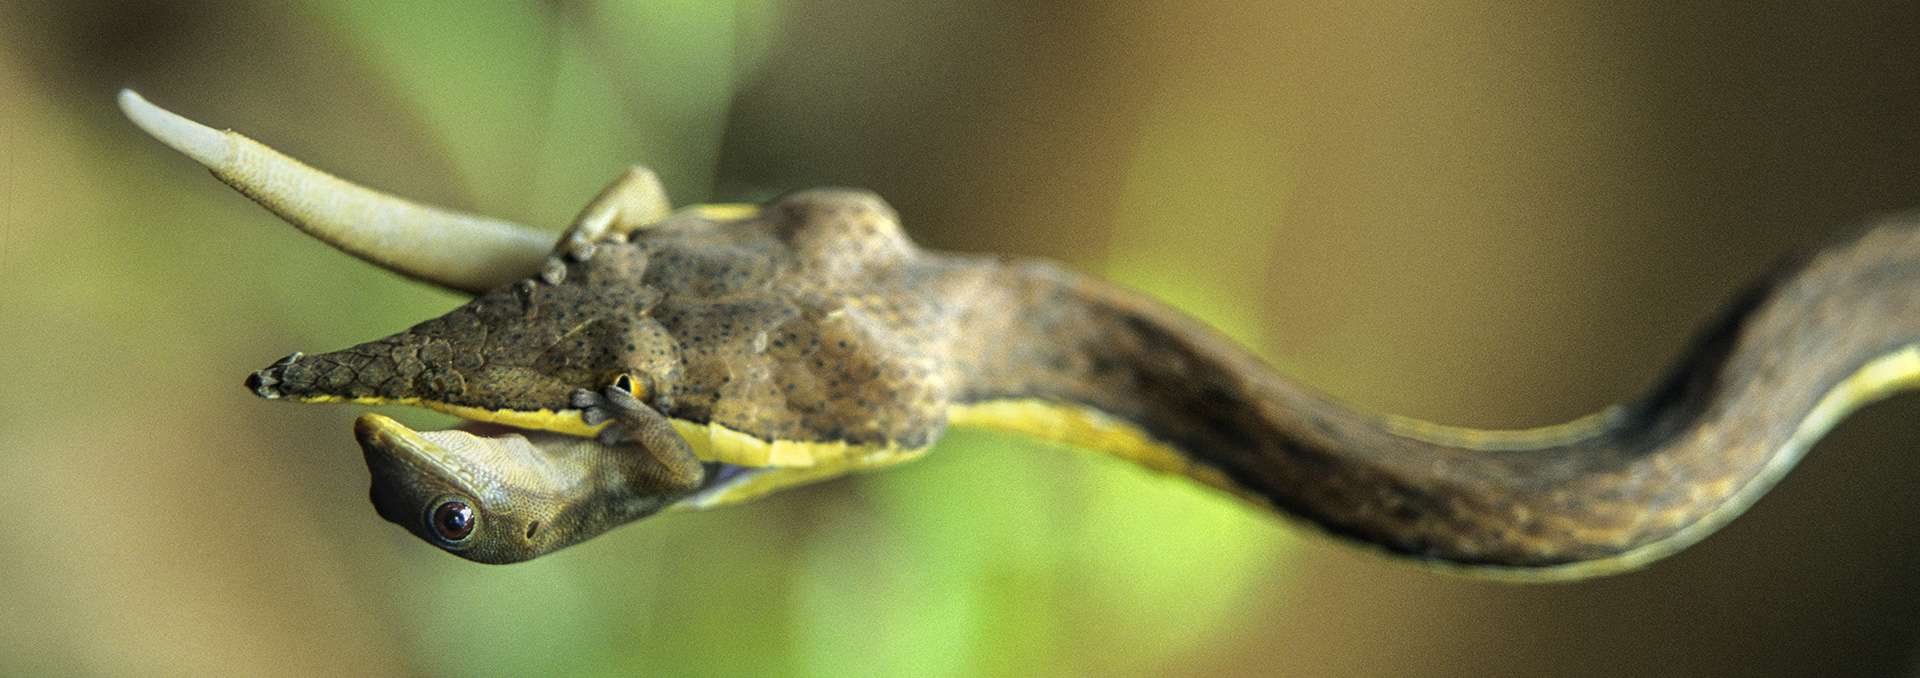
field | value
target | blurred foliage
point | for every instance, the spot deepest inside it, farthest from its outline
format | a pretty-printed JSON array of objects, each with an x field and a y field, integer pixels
[{"x": 1457, "y": 212}]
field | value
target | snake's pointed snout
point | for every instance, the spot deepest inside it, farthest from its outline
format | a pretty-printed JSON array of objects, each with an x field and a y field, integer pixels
[{"x": 266, "y": 383}]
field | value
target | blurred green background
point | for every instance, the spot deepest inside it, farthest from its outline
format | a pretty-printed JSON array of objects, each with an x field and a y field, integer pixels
[{"x": 1471, "y": 213}]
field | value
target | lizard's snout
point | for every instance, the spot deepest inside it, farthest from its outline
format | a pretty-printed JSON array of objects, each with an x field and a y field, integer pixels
[{"x": 266, "y": 383}]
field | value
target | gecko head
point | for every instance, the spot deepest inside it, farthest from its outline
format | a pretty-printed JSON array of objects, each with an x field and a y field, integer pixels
[
  {"x": 497, "y": 495},
  {"x": 467, "y": 494},
  {"x": 513, "y": 355}
]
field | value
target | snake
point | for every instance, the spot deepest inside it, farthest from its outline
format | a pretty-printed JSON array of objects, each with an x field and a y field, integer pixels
[{"x": 655, "y": 359}]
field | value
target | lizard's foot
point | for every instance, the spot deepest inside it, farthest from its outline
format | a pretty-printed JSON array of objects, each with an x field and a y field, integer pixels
[
  {"x": 617, "y": 399},
  {"x": 616, "y": 403},
  {"x": 630, "y": 203},
  {"x": 635, "y": 423}
]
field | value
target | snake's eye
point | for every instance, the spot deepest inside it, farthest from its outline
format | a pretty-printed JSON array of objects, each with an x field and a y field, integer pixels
[{"x": 452, "y": 521}]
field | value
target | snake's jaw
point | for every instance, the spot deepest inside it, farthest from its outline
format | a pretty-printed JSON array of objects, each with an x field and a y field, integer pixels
[{"x": 522, "y": 349}]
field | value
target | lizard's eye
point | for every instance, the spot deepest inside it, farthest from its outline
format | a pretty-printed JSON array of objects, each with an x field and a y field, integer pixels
[{"x": 452, "y": 521}]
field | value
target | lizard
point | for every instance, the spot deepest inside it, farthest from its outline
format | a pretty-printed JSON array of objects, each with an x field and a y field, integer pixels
[{"x": 655, "y": 359}]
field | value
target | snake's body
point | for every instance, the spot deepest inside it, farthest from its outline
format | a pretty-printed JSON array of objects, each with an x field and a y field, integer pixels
[{"x": 1820, "y": 337}]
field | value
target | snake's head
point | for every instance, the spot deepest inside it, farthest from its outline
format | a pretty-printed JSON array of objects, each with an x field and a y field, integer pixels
[
  {"x": 522, "y": 348},
  {"x": 498, "y": 495}
]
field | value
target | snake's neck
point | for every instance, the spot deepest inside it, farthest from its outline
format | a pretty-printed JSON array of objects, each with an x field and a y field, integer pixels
[{"x": 1810, "y": 343}]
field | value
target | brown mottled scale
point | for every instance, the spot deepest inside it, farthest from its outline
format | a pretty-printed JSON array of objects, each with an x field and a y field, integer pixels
[{"x": 818, "y": 320}]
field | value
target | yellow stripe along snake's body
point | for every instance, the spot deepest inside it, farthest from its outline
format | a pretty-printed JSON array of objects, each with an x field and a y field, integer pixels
[{"x": 1820, "y": 337}]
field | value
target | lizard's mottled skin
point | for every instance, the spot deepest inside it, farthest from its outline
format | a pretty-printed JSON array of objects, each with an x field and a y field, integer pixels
[{"x": 682, "y": 360}]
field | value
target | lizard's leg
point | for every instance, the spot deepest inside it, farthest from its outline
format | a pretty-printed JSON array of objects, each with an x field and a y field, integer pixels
[
  {"x": 665, "y": 462},
  {"x": 631, "y": 202}
]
